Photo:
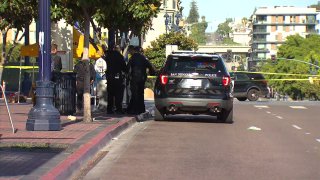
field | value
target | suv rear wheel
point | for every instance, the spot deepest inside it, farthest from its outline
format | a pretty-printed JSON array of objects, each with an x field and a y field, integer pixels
[
  {"x": 158, "y": 116},
  {"x": 226, "y": 116},
  {"x": 253, "y": 94}
]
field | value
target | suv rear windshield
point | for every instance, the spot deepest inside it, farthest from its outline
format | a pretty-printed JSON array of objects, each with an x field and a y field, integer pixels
[{"x": 194, "y": 64}]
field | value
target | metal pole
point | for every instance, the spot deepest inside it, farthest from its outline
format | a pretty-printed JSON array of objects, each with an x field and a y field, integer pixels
[
  {"x": 5, "y": 100},
  {"x": 19, "y": 91},
  {"x": 44, "y": 116}
]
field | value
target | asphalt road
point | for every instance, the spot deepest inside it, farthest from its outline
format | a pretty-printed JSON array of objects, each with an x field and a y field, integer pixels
[{"x": 267, "y": 141}]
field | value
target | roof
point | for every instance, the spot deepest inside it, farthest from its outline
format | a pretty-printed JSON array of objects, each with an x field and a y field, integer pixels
[{"x": 285, "y": 10}]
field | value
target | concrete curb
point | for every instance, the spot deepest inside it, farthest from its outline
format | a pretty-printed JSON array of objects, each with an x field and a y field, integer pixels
[{"x": 78, "y": 158}]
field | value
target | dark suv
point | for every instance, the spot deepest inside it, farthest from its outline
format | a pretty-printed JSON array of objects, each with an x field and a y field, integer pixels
[
  {"x": 249, "y": 86},
  {"x": 194, "y": 84}
]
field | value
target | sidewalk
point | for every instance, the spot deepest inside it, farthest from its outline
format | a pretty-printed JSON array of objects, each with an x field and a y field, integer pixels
[{"x": 55, "y": 154}]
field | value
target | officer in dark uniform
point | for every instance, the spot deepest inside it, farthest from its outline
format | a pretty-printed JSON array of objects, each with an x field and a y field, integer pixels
[
  {"x": 116, "y": 70},
  {"x": 80, "y": 70},
  {"x": 56, "y": 63},
  {"x": 138, "y": 65}
]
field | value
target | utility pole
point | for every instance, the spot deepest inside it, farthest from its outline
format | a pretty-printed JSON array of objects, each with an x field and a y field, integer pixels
[{"x": 44, "y": 116}]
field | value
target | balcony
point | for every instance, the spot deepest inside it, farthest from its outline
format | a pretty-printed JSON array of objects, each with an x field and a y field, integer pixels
[
  {"x": 259, "y": 40},
  {"x": 261, "y": 50},
  {"x": 261, "y": 31}
]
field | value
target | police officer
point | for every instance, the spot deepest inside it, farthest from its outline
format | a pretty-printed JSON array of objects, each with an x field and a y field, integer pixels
[
  {"x": 137, "y": 65},
  {"x": 80, "y": 71},
  {"x": 115, "y": 80},
  {"x": 56, "y": 63}
]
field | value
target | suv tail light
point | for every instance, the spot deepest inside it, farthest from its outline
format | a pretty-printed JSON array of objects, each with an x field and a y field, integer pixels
[
  {"x": 226, "y": 80},
  {"x": 163, "y": 79}
]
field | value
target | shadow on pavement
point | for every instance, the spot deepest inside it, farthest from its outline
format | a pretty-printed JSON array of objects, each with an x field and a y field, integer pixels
[
  {"x": 193, "y": 118},
  {"x": 15, "y": 162}
]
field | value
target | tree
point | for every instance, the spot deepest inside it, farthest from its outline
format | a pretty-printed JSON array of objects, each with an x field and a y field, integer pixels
[
  {"x": 134, "y": 16},
  {"x": 198, "y": 31},
  {"x": 299, "y": 48},
  {"x": 15, "y": 14},
  {"x": 127, "y": 15},
  {"x": 317, "y": 6},
  {"x": 224, "y": 29},
  {"x": 156, "y": 52},
  {"x": 83, "y": 11},
  {"x": 193, "y": 13}
]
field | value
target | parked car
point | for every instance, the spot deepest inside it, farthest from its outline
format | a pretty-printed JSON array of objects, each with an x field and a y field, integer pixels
[
  {"x": 249, "y": 86},
  {"x": 193, "y": 83}
]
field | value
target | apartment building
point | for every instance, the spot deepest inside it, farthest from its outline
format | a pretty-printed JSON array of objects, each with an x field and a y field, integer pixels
[{"x": 272, "y": 25}]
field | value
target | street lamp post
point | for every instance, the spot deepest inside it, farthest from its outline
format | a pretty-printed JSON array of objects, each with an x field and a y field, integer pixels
[
  {"x": 44, "y": 116},
  {"x": 166, "y": 21},
  {"x": 178, "y": 17}
]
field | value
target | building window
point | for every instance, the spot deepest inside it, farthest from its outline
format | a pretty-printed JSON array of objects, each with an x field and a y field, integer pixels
[
  {"x": 293, "y": 28},
  {"x": 164, "y": 3},
  {"x": 174, "y": 4},
  {"x": 292, "y": 19}
]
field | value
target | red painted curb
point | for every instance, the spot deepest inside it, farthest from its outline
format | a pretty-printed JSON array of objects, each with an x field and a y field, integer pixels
[{"x": 72, "y": 160}]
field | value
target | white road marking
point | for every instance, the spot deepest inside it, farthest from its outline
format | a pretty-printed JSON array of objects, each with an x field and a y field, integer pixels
[
  {"x": 297, "y": 127},
  {"x": 279, "y": 117},
  {"x": 253, "y": 128},
  {"x": 274, "y": 114},
  {"x": 298, "y": 107},
  {"x": 308, "y": 133},
  {"x": 318, "y": 140},
  {"x": 258, "y": 106},
  {"x": 268, "y": 112}
]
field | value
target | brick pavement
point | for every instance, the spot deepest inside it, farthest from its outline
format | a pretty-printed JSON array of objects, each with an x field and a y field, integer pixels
[{"x": 61, "y": 150}]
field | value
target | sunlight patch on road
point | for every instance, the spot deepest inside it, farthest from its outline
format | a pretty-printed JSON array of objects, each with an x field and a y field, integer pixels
[
  {"x": 297, "y": 127},
  {"x": 298, "y": 107},
  {"x": 259, "y": 106}
]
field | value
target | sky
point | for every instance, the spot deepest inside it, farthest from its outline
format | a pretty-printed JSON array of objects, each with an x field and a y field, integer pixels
[{"x": 216, "y": 11}]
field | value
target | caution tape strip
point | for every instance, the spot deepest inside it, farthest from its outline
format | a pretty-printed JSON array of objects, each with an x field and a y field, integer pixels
[
  {"x": 153, "y": 77},
  {"x": 20, "y": 67},
  {"x": 284, "y": 74}
]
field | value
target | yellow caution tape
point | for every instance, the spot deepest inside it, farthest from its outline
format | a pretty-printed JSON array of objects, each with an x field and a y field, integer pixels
[
  {"x": 18, "y": 67},
  {"x": 152, "y": 77},
  {"x": 284, "y": 74}
]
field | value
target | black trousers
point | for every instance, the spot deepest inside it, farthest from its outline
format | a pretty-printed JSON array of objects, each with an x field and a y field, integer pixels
[
  {"x": 115, "y": 89},
  {"x": 136, "y": 104},
  {"x": 80, "y": 92}
]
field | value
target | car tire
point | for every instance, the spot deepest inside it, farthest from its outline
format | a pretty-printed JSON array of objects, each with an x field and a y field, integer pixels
[
  {"x": 158, "y": 116},
  {"x": 242, "y": 98},
  {"x": 253, "y": 94},
  {"x": 226, "y": 116}
]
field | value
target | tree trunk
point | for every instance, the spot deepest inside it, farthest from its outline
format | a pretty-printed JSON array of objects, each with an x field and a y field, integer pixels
[
  {"x": 4, "y": 44},
  {"x": 3, "y": 54},
  {"x": 85, "y": 58}
]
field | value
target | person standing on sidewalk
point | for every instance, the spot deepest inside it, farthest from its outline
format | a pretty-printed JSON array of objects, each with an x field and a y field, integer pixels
[
  {"x": 56, "y": 63},
  {"x": 138, "y": 65},
  {"x": 115, "y": 80},
  {"x": 79, "y": 69}
]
